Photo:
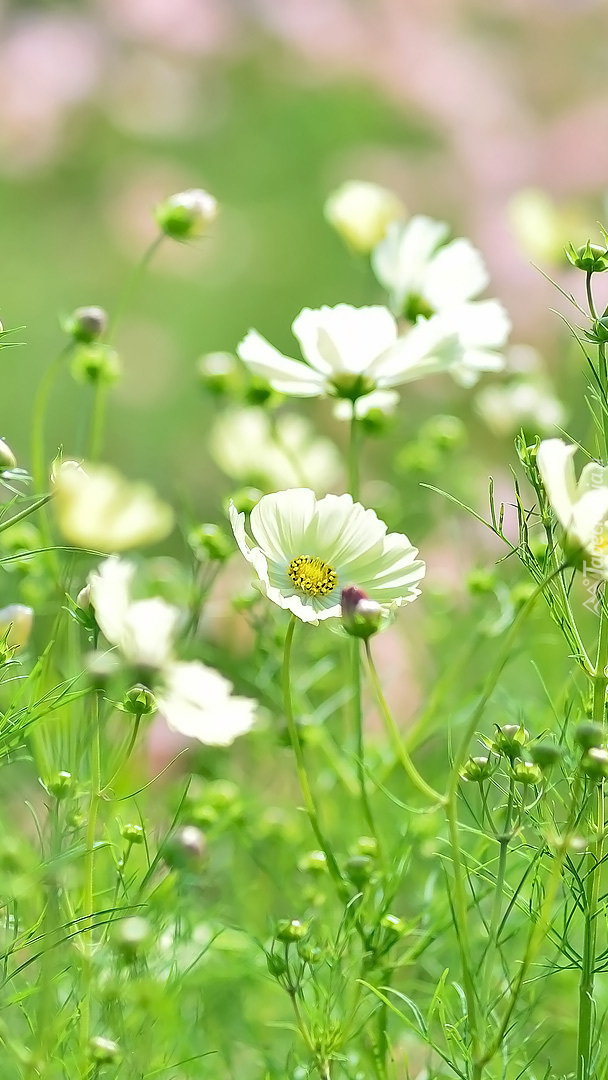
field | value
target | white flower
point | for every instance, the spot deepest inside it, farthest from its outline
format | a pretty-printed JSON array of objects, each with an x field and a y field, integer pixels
[
  {"x": 524, "y": 402},
  {"x": 425, "y": 276},
  {"x": 273, "y": 452},
  {"x": 307, "y": 550},
  {"x": 16, "y": 622},
  {"x": 580, "y": 507},
  {"x": 143, "y": 630},
  {"x": 198, "y": 702},
  {"x": 97, "y": 508},
  {"x": 350, "y": 352},
  {"x": 360, "y": 212}
]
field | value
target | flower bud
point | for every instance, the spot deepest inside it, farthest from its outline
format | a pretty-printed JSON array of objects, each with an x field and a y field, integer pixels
[
  {"x": 588, "y": 734},
  {"x": 186, "y": 215},
  {"x": 276, "y": 964},
  {"x": 393, "y": 924},
  {"x": 314, "y": 862},
  {"x": 526, "y": 772},
  {"x": 8, "y": 460},
  {"x": 133, "y": 834},
  {"x": 95, "y": 363},
  {"x": 139, "y": 700},
  {"x": 545, "y": 753},
  {"x": 103, "y": 1051},
  {"x": 16, "y": 623},
  {"x": 361, "y": 211},
  {"x": 361, "y": 617},
  {"x": 592, "y": 258},
  {"x": 311, "y": 954},
  {"x": 209, "y": 541},
  {"x": 594, "y": 763},
  {"x": 366, "y": 845},
  {"x": 185, "y": 848},
  {"x": 359, "y": 869},
  {"x": 86, "y": 324},
  {"x": 290, "y": 930},
  {"x": 244, "y": 499},
  {"x": 219, "y": 373},
  {"x": 60, "y": 785},
  {"x": 476, "y": 769},
  {"x": 83, "y": 600},
  {"x": 510, "y": 740},
  {"x": 132, "y": 936}
]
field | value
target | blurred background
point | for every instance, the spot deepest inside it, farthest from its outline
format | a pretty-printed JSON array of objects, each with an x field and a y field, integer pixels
[{"x": 490, "y": 116}]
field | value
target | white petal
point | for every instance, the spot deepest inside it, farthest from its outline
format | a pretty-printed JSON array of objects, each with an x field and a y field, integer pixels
[
  {"x": 556, "y": 467},
  {"x": 430, "y": 346},
  {"x": 400, "y": 261},
  {"x": 341, "y": 529},
  {"x": 279, "y": 522},
  {"x": 286, "y": 375},
  {"x": 111, "y": 596},
  {"x": 197, "y": 701},
  {"x": 344, "y": 338},
  {"x": 481, "y": 324},
  {"x": 149, "y": 632},
  {"x": 456, "y": 273}
]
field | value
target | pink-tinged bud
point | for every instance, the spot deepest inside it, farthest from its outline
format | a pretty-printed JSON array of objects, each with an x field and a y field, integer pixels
[
  {"x": 16, "y": 622},
  {"x": 361, "y": 617}
]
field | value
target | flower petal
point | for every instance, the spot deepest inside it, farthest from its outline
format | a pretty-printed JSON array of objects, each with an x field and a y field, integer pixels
[
  {"x": 344, "y": 338},
  {"x": 456, "y": 273},
  {"x": 430, "y": 346},
  {"x": 400, "y": 261},
  {"x": 197, "y": 701},
  {"x": 284, "y": 374}
]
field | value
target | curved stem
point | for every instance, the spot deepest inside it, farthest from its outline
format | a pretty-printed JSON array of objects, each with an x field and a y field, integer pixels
[
  {"x": 307, "y": 795},
  {"x": 395, "y": 735}
]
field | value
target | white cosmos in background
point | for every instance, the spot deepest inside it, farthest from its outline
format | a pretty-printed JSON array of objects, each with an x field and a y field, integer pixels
[
  {"x": 524, "y": 402},
  {"x": 346, "y": 347},
  {"x": 422, "y": 273},
  {"x": 305, "y": 551},
  {"x": 194, "y": 699},
  {"x": 581, "y": 507}
]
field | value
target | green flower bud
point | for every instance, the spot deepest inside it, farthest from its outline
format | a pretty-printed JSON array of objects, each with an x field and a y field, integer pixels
[
  {"x": 276, "y": 964},
  {"x": 209, "y": 541},
  {"x": 311, "y": 954},
  {"x": 186, "y": 848},
  {"x": 359, "y": 869},
  {"x": 476, "y": 769},
  {"x": 393, "y": 924},
  {"x": 594, "y": 763},
  {"x": 139, "y": 700},
  {"x": 186, "y": 215},
  {"x": 589, "y": 734},
  {"x": 290, "y": 930},
  {"x": 444, "y": 432},
  {"x": 545, "y": 753},
  {"x": 132, "y": 936},
  {"x": 60, "y": 785},
  {"x": 244, "y": 499},
  {"x": 526, "y": 772},
  {"x": 314, "y": 862},
  {"x": 366, "y": 845},
  {"x": 510, "y": 740},
  {"x": 96, "y": 364},
  {"x": 133, "y": 834},
  {"x": 8, "y": 460},
  {"x": 103, "y": 1051},
  {"x": 599, "y": 331},
  {"x": 86, "y": 324},
  {"x": 592, "y": 258},
  {"x": 361, "y": 617},
  {"x": 219, "y": 373}
]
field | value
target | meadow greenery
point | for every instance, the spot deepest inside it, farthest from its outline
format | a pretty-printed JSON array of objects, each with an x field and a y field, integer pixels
[{"x": 223, "y": 851}]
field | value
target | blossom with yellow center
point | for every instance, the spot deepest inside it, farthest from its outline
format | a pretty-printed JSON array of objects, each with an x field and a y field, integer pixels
[{"x": 306, "y": 550}]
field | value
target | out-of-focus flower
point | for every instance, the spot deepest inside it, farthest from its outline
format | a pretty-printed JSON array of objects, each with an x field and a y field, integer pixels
[
  {"x": 522, "y": 403},
  {"x": 385, "y": 401},
  {"x": 351, "y": 351},
  {"x": 86, "y": 324},
  {"x": 580, "y": 507},
  {"x": 143, "y": 630},
  {"x": 187, "y": 215},
  {"x": 426, "y": 277},
  {"x": 17, "y": 620},
  {"x": 360, "y": 212},
  {"x": 541, "y": 227},
  {"x": 307, "y": 550},
  {"x": 273, "y": 452},
  {"x": 8, "y": 460},
  {"x": 97, "y": 508},
  {"x": 198, "y": 702}
]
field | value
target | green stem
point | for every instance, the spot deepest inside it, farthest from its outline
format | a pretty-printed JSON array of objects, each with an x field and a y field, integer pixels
[
  {"x": 89, "y": 874},
  {"x": 360, "y": 745},
  {"x": 353, "y": 457},
  {"x": 504, "y": 840},
  {"x": 307, "y": 795},
  {"x": 395, "y": 735},
  {"x": 41, "y": 401}
]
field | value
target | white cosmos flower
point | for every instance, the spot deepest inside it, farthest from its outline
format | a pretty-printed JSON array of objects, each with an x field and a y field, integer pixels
[
  {"x": 273, "y": 452},
  {"x": 351, "y": 351},
  {"x": 198, "y": 702},
  {"x": 97, "y": 508},
  {"x": 143, "y": 630},
  {"x": 424, "y": 275},
  {"x": 527, "y": 402},
  {"x": 306, "y": 550},
  {"x": 360, "y": 212},
  {"x": 581, "y": 507}
]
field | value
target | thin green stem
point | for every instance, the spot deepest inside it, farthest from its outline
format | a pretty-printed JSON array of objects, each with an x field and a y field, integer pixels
[
  {"x": 504, "y": 839},
  {"x": 41, "y": 401},
  {"x": 395, "y": 735},
  {"x": 360, "y": 743},
  {"x": 89, "y": 874},
  {"x": 309, "y": 802},
  {"x": 353, "y": 457}
]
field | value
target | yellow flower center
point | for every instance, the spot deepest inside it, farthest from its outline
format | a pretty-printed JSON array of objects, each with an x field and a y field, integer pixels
[{"x": 312, "y": 575}]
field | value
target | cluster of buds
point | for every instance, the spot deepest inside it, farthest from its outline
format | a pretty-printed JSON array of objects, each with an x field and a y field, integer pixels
[{"x": 528, "y": 762}]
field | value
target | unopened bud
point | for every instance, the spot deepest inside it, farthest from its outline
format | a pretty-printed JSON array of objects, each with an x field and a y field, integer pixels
[
  {"x": 60, "y": 785},
  {"x": 186, "y": 215},
  {"x": 132, "y": 936},
  {"x": 185, "y": 848},
  {"x": 95, "y": 363},
  {"x": 209, "y": 541},
  {"x": 592, "y": 258},
  {"x": 139, "y": 700},
  {"x": 545, "y": 754},
  {"x": 594, "y": 763},
  {"x": 589, "y": 734},
  {"x": 393, "y": 924},
  {"x": 103, "y": 1051},
  {"x": 476, "y": 769},
  {"x": 8, "y": 460},
  {"x": 366, "y": 845},
  {"x": 276, "y": 964},
  {"x": 133, "y": 834},
  {"x": 510, "y": 740},
  {"x": 290, "y": 930},
  {"x": 526, "y": 772},
  {"x": 219, "y": 373},
  {"x": 314, "y": 862},
  {"x": 361, "y": 617},
  {"x": 311, "y": 954},
  {"x": 86, "y": 324},
  {"x": 361, "y": 211},
  {"x": 359, "y": 869}
]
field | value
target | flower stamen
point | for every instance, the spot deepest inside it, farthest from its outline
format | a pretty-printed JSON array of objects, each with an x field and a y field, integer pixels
[{"x": 312, "y": 575}]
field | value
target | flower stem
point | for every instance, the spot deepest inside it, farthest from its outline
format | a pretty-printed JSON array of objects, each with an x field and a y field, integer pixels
[
  {"x": 504, "y": 840},
  {"x": 360, "y": 748},
  {"x": 307, "y": 795},
  {"x": 353, "y": 457},
  {"x": 89, "y": 874},
  {"x": 41, "y": 401},
  {"x": 395, "y": 735}
]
